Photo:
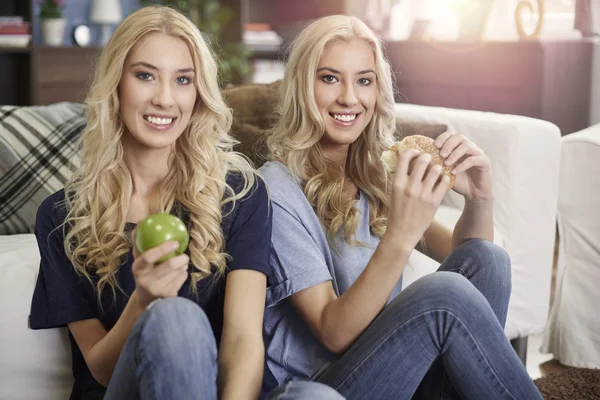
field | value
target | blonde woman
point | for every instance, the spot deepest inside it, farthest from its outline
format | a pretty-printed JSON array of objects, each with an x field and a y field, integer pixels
[
  {"x": 343, "y": 232},
  {"x": 157, "y": 141}
]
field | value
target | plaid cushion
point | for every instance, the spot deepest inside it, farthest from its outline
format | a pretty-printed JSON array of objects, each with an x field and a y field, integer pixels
[{"x": 38, "y": 151}]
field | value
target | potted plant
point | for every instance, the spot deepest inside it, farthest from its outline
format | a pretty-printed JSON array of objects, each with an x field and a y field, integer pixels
[
  {"x": 52, "y": 21},
  {"x": 212, "y": 19}
]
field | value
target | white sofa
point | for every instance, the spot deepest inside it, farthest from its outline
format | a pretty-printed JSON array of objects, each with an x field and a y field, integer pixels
[
  {"x": 573, "y": 331},
  {"x": 525, "y": 159}
]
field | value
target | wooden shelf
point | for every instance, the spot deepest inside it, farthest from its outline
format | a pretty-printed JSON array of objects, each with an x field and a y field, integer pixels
[
  {"x": 267, "y": 55},
  {"x": 14, "y": 50},
  {"x": 15, "y": 62},
  {"x": 549, "y": 80},
  {"x": 66, "y": 49}
]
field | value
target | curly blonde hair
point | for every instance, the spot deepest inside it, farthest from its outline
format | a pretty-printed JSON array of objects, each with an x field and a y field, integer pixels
[
  {"x": 98, "y": 194},
  {"x": 295, "y": 139}
]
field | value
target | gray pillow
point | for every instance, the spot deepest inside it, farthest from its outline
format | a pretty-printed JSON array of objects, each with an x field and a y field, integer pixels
[{"x": 38, "y": 151}]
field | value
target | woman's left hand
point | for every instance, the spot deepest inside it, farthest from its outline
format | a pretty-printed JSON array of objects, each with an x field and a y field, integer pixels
[{"x": 471, "y": 166}]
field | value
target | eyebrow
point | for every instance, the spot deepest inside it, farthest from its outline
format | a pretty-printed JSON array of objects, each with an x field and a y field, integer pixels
[
  {"x": 335, "y": 71},
  {"x": 150, "y": 66}
]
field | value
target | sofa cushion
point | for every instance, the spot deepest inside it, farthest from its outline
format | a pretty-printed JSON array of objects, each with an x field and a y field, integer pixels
[
  {"x": 253, "y": 107},
  {"x": 37, "y": 153},
  {"x": 35, "y": 364},
  {"x": 405, "y": 127}
]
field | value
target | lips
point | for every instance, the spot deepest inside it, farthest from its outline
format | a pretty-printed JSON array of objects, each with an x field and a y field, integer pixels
[
  {"x": 346, "y": 119},
  {"x": 159, "y": 120},
  {"x": 159, "y": 123}
]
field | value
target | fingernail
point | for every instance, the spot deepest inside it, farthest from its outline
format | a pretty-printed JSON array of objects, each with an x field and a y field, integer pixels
[
  {"x": 443, "y": 153},
  {"x": 174, "y": 245}
]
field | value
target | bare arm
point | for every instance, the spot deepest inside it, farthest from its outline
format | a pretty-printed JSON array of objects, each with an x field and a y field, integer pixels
[
  {"x": 474, "y": 182},
  {"x": 475, "y": 222},
  {"x": 338, "y": 322},
  {"x": 437, "y": 242},
  {"x": 241, "y": 353},
  {"x": 101, "y": 349}
]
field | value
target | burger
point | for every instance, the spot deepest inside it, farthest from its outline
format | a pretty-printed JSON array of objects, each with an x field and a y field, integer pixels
[{"x": 424, "y": 144}]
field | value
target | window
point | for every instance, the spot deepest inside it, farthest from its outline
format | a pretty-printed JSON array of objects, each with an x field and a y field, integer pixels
[{"x": 447, "y": 16}]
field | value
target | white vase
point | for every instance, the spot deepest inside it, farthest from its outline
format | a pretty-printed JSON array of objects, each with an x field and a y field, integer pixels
[{"x": 53, "y": 31}]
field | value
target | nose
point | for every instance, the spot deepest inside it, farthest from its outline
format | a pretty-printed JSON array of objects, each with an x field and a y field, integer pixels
[
  {"x": 348, "y": 95},
  {"x": 163, "y": 97}
]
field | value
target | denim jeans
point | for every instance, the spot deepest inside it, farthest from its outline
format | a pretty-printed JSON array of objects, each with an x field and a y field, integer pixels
[
  {"x": 171, "y": 353},
  {"x": 440, "y": 338}
]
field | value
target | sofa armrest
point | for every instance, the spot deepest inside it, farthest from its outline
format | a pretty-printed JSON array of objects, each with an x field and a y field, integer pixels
[
  {"x": 573, "y": 331},
  {"x": 524, "y": 154}
]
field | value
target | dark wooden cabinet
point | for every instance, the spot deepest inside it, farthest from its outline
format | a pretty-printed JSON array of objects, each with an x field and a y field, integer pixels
[
  {"x": 545, "y": 80},
  {"x": 62, "y": 73},
  {"x": 39, "y": 74},
  {"x": 15, "y": 63}
]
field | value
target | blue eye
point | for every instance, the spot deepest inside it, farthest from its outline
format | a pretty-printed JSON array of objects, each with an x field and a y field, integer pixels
[
  {"x": 184, "y": 80},
  {"x": 364, "y": 81},
  {"x": 329, "y": 79},
  {"x": 144, "y": 76}
]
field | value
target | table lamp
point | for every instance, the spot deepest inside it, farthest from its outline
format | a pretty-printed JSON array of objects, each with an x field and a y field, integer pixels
[{"x": 106, "y": 13}]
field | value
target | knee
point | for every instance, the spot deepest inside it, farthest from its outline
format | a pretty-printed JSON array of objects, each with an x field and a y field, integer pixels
[
  {"x": 446, "y": 285},
  {"x": 445, "y": 291},
  {"x": 493, "y": 258},
  {"x": 177, "y": 319},
  {"x": 298, "y": 390}
]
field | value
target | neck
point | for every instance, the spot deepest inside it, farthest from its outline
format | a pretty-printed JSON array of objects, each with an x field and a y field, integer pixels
[
  {"x": 148, "y": 168},
  {"x": 336, "y": 155}
]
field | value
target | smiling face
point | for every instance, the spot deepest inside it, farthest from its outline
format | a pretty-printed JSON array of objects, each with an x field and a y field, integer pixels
[
  {"x": 345, "y": 91},
  {"x": 157, "y": 92}
]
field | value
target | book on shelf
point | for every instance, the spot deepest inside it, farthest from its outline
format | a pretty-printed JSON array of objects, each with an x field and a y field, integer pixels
[
  {"x": 21, "y": 40},
  {"x": 14, "y": 32},
  {"x": 267, "y": 71},
  {"x": 12, "y": 19},
  {"x": 260, "y": 37},
  {"x": 15, "y": 29}
]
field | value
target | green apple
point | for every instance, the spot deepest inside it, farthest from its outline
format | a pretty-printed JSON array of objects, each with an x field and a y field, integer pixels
[{"x": 159, "y": 228}]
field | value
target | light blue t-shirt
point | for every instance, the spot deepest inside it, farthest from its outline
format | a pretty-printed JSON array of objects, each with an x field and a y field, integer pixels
[{"x": 301, "y": 257}]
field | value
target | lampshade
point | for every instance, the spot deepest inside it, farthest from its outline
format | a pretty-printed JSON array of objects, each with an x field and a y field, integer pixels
[{"x": 106, "y": 12}]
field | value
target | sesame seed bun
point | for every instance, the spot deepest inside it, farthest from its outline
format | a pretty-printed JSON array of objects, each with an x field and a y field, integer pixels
[{"x": 424, "y": 144}]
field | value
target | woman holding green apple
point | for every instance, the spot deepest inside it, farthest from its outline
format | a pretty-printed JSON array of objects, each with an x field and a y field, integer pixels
[{"x": 145, "y": 324}]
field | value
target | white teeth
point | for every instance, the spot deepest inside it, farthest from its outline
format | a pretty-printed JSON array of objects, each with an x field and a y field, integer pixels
[
  {"x": 159, "y": 121},
  {"x": 344, "y": 117}
]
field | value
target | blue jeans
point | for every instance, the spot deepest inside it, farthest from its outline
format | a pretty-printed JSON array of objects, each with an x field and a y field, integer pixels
[
  {"x": 171, "y": 353},
  {"x": 440, "y": 338}
]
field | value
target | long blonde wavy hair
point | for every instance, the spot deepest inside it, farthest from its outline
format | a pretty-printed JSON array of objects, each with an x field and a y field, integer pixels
[
  {"x": 295, "y": 139},
  {"x": 98, "y": 194}
]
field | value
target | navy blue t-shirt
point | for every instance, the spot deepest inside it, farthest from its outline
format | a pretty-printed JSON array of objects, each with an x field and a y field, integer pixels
[{"x": 62, "y": 296}]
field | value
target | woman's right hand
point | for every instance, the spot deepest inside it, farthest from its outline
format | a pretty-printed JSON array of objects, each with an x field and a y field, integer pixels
[
  {"x": 416, "y": 195},
  {"x": 154, "y": 281}
]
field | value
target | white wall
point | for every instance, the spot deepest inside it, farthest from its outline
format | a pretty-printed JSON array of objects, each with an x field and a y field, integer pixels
[{"x": 595, "y": 100}]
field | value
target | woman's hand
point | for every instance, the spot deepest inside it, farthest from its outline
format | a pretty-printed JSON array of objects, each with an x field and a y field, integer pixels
[
  {"x": 471, "y": 166},
  {"x": 417, "y": 190},
  {"x": 154, "y": 281}
]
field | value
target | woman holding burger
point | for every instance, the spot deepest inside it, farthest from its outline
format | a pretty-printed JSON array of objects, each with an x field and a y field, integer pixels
[{"x": 343, "y": 230}]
